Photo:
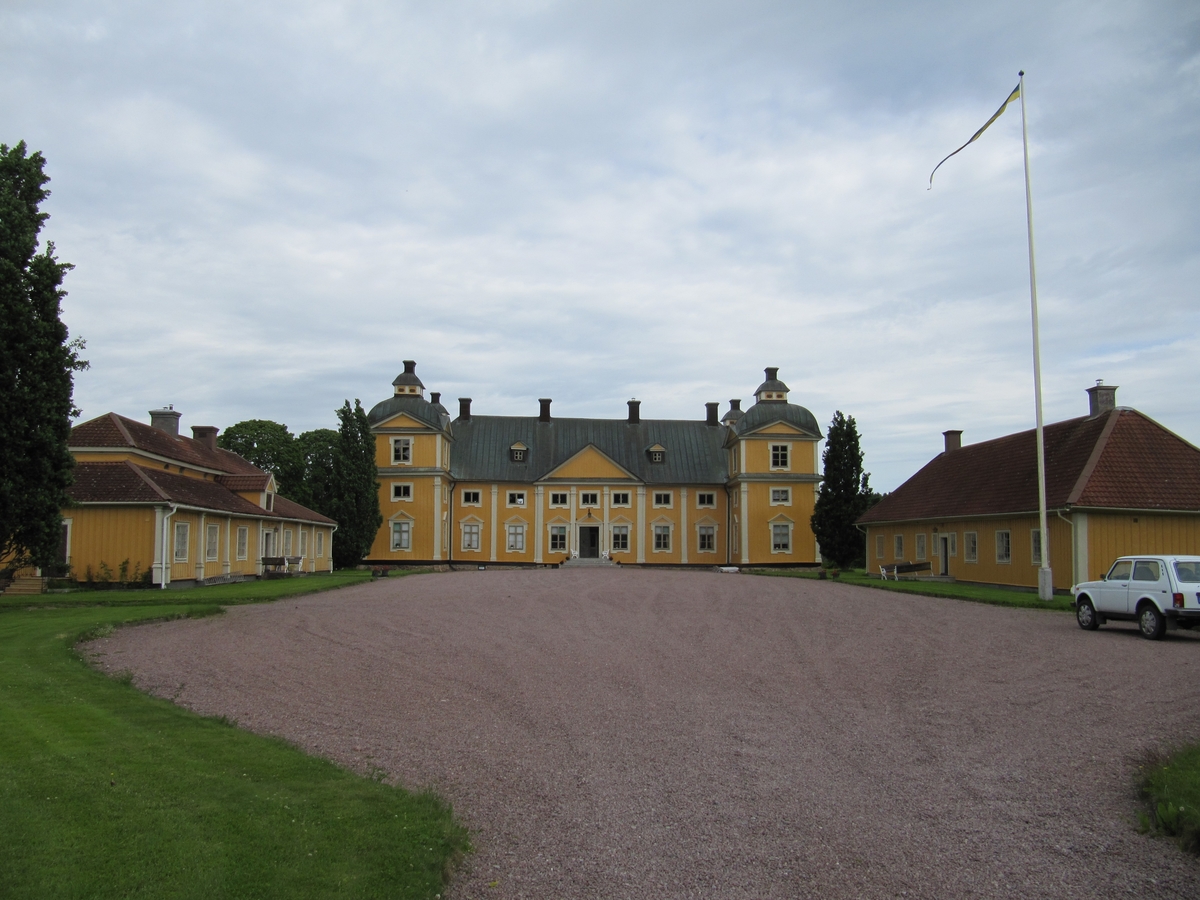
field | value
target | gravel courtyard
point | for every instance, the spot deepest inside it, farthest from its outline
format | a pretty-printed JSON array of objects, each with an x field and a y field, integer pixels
[{"x": 658, "y": 734}]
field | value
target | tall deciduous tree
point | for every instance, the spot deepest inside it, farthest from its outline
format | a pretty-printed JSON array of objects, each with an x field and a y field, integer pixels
[
  {"x": 319, "y": 453},
  {"x": 845, "y": 495},
  {"x": 357, "y": 500},
  {"x": 272, "y": 447},
  {"x": 36, "y": 364}
]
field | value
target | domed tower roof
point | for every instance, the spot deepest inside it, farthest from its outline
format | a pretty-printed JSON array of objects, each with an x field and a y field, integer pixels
[
  {"x": 772, "y": 406},
  {"x": 407, "y": 381},
  {"x": 772, "y": 390},
  {"x": 735, "y": 412}
]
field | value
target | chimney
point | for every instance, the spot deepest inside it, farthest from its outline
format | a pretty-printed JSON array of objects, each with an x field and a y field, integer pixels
[
  {"x": 410, "y": 366},
  {"x": 166, "y": 420},
  {"x": 635, "y": 414},
  {"x": 953, "y": 440},
  {"x": 735, "y": 405},
  {"x": 772, "y": 373},
  {"x": 1101, "y": 398},
  {"x": 464, "y": 408},
  {"x": 435, "y": 397},
  {"x": 711, "y": 409},
  {"x": 544, "y": 415},
  {"x": 206, "y": 435}
]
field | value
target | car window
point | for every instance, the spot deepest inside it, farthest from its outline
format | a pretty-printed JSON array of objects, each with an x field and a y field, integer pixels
[
  {"x": 1188, "y": 572},
  {"x": 1120, "y": 570},
  {"x": 1146, "y": 570}
]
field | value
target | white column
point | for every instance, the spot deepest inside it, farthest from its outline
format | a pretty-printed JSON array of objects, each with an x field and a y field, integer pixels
[
  {"x": 495, "y": 525},
  {"x": 604, "y": 539},
  {"x": 228, "y": 565},
  {"x": 258, "y": 566},
  {"x": 684, "y": 538},
  {"x": 201, "y": 548},
  {"x": 437, "y": 517},
  {"x": 641, "y": 523},
  {"x": 538, "y": 494}
]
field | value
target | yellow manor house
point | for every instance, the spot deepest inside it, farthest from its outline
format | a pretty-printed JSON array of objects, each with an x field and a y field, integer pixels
[{"x": 737, "y": 490}]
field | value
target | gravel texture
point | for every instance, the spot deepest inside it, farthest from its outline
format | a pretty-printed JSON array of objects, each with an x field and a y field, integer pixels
[{"x": 627, "y": 733}]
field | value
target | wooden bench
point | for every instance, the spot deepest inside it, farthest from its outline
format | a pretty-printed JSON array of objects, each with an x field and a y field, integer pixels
[
  {"x": 281, "y": 565},
  {"x": 909, "y": 568}
]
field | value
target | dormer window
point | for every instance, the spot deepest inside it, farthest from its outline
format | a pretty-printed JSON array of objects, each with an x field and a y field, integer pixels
[
  {"x": 269, "y": 504},
  {"x": 658, "y": 453},
  {"x": 516, "y": 453}
]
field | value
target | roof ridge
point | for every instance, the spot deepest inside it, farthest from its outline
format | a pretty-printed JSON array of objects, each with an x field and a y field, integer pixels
[
  {"x": 120, "y": 423},
  {"x": 150, "y": 481},
  {"x": 1094, "y": 459}
]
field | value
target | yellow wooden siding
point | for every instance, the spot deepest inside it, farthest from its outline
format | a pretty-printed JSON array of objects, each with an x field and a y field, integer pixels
[
  {"x": 480, "y": 515},
  {"x": 761, "y": 515},
  {"x": 422, "y": 511},
  {"x": 589, "y": 463},
  {"x": 110, "y": 535},
  {"x": 800, "y": 455},
  {"x": 1111, "y": 535},
  {"x": 424, "y": 450}
]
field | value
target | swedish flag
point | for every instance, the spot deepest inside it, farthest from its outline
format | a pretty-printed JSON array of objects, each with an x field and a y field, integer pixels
[{"x": 1016, "y": 92}]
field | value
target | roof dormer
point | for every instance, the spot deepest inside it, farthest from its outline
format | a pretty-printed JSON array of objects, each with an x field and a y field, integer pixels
[
  {"x": 772, "y": 390},
  {"x": 407, "y": 382},
  {"x": 657, "y": 453},
  {"x": 518, "y": 452}
]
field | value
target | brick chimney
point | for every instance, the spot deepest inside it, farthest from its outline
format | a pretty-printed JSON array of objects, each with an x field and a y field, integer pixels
[
  {"x": 464, "y": 408},
  {"x": 711, "y": 410},
  {"x": 953, "y": 440},
  {"x": 544, "y": 414},
  {"x": 206, "y": 435},
  {"x": 1101, "y": 398},
  {"x": 166, "y": 420},
  {"x": 635, "y": 412}
]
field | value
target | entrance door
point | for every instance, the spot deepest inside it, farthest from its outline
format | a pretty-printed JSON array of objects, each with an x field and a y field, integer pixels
[
  {"x": 268, "y": 543},
  {"x": 589, "y": 541},
  {"x": 944, "y": 565}
]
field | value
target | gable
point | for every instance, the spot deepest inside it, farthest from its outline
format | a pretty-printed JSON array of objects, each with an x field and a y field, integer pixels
[
  {"x": 589, "y": 463},
  {"x": 780, "y": 428},
  {"x": 402, "y": 421}
]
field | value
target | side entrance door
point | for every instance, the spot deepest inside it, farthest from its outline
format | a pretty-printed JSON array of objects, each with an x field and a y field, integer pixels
[
  {"x": 589, "y": 541},
  {"x": 944, "y": 564}
]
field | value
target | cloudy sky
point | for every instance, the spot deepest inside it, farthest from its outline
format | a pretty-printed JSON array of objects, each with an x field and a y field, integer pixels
[{"x": 269, "y": 206}]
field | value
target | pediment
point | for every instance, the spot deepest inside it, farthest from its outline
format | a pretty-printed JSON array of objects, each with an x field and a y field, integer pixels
[
  {"x": 403, "y": 420},
  {"x": 781, "y": 428},
  {"x": 401, "y": 515},
  {"x": 782, "y": 518},
  {"x": 590, "y": 463}
]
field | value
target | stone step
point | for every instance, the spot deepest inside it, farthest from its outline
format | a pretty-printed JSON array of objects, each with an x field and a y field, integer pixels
[{"x": 26, "y": 584}]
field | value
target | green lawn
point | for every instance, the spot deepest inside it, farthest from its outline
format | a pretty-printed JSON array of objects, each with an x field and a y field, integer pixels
[
  {"x": 1172, "y": 792},
  {"x": 106, "y": 792},
  {"x": 976, "y": 593}
]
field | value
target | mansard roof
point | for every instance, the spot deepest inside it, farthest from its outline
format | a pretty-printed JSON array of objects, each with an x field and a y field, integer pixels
[
  {"x": 1119, "y": 459},
  {"x": 433, "y": 415},
  {"x": 694, "y": 449},
  {"x": 114, "y": 431},
  {"x": 760, "y": 415}
]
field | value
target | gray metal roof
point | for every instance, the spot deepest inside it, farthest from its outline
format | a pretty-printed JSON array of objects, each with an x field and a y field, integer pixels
[
  {"x": 763, "y": 414},
  {"x": 772, "y": 383},
  {"x": 694, "y": 450},
  {"x": 417, "y": 407}
]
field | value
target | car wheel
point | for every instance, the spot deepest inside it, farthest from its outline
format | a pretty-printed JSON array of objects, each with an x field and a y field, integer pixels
[
  {"x": 1151, "y": 622},
  {"x": 1085, "y": 615}
]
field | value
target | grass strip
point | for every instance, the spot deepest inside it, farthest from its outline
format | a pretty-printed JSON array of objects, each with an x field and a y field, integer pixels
[
  {"x": 976, "y": 593},
  {"x": 106, "y": 792},
  {"x": 1171, "y": 789}
]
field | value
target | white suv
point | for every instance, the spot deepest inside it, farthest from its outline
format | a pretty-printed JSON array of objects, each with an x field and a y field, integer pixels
[{"x": 1153, "y": 591}]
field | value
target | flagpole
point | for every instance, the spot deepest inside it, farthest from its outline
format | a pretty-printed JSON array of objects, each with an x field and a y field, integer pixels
[{"x": 1045, "y": 578}]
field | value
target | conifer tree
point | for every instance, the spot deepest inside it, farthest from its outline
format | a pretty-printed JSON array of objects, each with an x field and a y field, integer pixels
[
  {"x": 845, "y": 495},
  {"x": 36, "y": 364},
  {"x": 356, "y": 500}
]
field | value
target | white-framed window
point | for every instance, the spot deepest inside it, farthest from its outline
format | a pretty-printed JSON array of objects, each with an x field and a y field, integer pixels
[
  {"x": 243, "y": 541},
  {"x": 320, "y": 544},
  {"x": 269, "y": 503},
  {"x": 953, "y": 536},
  {"x": 402, "y": 535},
  {"x": 920, "y": 546},
  {"x": 560, "y": 499},
  {"x": 1003, "y": 546},
  {"x": 879, "y": 546},
  {"x": 619, "y": 498},
  {"x": 268, "y": 543},
  {"x": 706, "y": 500},
  {"x": 470, "y": 536},
  {"x": 781, "y": 537},
  {"x": 211, "y": 538},
  {"x": 620, "y": 538},
  {"x": 516, "y": 498},
  {"x": 657, "y": 456},
  {"x": 781, "y": 496},
  {"x": 472, "y": 498},
  {"x": 1035, "y": 546},
  {"x": 401, "y": 451},
  {"x": 780, "y": 454},
  {"x": 706, "y": 539},
  {"x": 970, "y": 546},
  {"x": 935, "y": 545},
  {"x": 516, "y": 453},
  {"x": 287, "y": 542},
  {"x": 402, "y": 490},
  {"x": 558, "y": 538},
  {"x": 662, "y": 538},
  {"x": 589, "y": 498},
  {"x": 898, "y": 546},
  {"x": 182, "y": 531},
  {"x": 516, "y": 538},
  {"x": 303, "y": 542},
  {"x": 664, "y": 499}
]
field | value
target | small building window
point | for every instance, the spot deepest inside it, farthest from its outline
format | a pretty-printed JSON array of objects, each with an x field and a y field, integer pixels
[
  {"x": 558, "y": 538},
  {"x": 1003, "y": 546},
  {"x": 402, "y": 451},
  {"x": 781, "y": 538},
  {"x": 401, "y": 491},
  {"x": 270, "y": 503},
  {"x": 181, "y": 541},
  {"x": 589, "y": 498},
  {"x": 779, "y": 456},
  {"x": 320, "y": 544},
  {"x": 287, "y": 542},
  {"x": 781, "y": 496},
  {"x": 560, "y": 499},
  {"x": 620, "y": 538},
  {"x": 210, "y": 543},
  {"x": 879, "y": 546},
  {"x": 470, "y": 537},
  {"x": 620, "y": 498},
  {"x": 243, "y": 541},
  {"x": 401, "y": 535},
  {"x": 663, "y": 499},
  {"x": 471, "y": 498},
  {"x": 898, "y": 547},
  {"x": 707, "y": 539},
  {"x": 1035, "y": 546},
  {"x": 516, "y": 452},
  {"x": 920, "y": 546},
  {"x": 657, "y": 456},
  {"x": 516, "y": 498},
  {"x": 303, "y": 542},
  {"x": 706, "y": 500},
  {"x": 970, "y": 546},
  {"x": 662, "y": 538},
  {"x": 953, "y": 536},
  {"x": 516, "y": 538}
]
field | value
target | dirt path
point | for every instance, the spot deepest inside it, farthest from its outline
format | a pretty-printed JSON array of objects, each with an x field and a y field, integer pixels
[{"x": 628, "y": 734}]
